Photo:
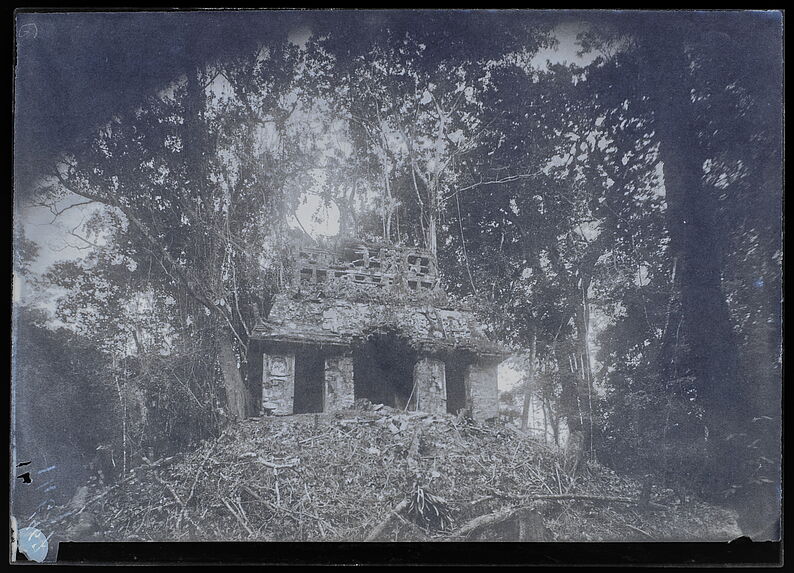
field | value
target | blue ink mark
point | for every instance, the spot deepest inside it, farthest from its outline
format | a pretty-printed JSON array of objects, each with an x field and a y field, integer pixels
[
  {"x": 45, "y": 484},
  {"x": 45, "y": 470},
  {"x": 32, "y": 544},
  {"x": 52, "y": 487},
  {"x": 47, "y": 502},
  {"x": 759, "y": 283}
]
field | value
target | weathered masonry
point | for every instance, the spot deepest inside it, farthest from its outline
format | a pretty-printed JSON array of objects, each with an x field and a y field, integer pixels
[{"x": 363, "y": 320}]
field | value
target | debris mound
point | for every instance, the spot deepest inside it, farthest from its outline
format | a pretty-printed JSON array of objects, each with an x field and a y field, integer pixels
[{"x": 376, "y": 473}]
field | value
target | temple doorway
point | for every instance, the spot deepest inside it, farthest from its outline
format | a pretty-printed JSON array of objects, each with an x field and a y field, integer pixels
[
  {"x": 383, "y": 371},
  {"x": 309, "y": 376},
  {"x": 455, "y": 374}
]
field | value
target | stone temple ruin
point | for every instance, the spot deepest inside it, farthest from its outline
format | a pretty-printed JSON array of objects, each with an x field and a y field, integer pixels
[{"x": 363, "y": 320}]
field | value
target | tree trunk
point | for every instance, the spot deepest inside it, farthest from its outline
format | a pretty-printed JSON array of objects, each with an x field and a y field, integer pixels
[
  {"x": 555, "y": 426},
  {"x": 530, "y": 383},
  {"x": 569, "y": 394},
  {"x": 233, "y": 385},
  {"x": 574, "y": 451},
  {"x": 713, "y": 354},
  {"x": 432, "y": 243},
  {"x": 585, "y": 369}
]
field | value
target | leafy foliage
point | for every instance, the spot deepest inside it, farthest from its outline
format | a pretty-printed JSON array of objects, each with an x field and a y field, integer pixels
[{"x": 58, "y": 378}]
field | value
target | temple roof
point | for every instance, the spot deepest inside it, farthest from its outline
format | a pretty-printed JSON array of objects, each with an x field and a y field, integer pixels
[
  {"x": 341, "y": 291},
  {"x": 332, "y": 321},
  {"x": 347, "y": 266}
]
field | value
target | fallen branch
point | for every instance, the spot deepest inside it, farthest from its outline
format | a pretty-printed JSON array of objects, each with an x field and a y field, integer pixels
[
  {"x": 239, "y": 519},
  {"x": 170, "y": 489},
  {"x": 317, "y": 437},
  {"x": 517, "y": 512},
  {"x": 275, "y": 509},
  {"x": 585, "y": 497},
  {"x": 259, "y": 498},
  {"x": 578, "y": 497},
  {"x": 198, "y": 473},
  {"x": 645, "y": 533},
  {"x": 480, "y": 500},
  {"x": 521, "y": 512},
  {"x": 275, "y": 466},
  {"x": 381, "y": 527},
  {"x": 413, "y": 527}
]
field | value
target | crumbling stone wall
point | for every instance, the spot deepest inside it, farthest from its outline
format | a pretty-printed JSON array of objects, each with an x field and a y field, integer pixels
[
  {"x": 278, "y": 383},
  {"x": 341, "y": 293},
  {"x": 430, "y": 385},
  {"x": 338, "y": 385},
  {"x": 481, "y": 382},
  {"x": 372, "y": 266},
  {"x": 345, "y": 322}
]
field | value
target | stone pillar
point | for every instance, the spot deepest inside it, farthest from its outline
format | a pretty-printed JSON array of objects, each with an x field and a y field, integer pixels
[
  {"x": 338, "y": 389},
  {"x": 278, "y": 384},
  {"x": 431, "y": 386},
  {"x": 481, "y": 384}
]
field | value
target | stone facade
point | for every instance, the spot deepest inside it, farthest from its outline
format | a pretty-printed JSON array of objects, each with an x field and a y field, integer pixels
[
  {"x": 278, "y": 384},
  {"x": 342, "y": 322},
  {"x": 371, "y": 321},
  {"x": 481, "y": 382},
  {"x": 430, "y": 386},
  {"x": 381, "y": 267},
  {"x": 339, "y": 386}
]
